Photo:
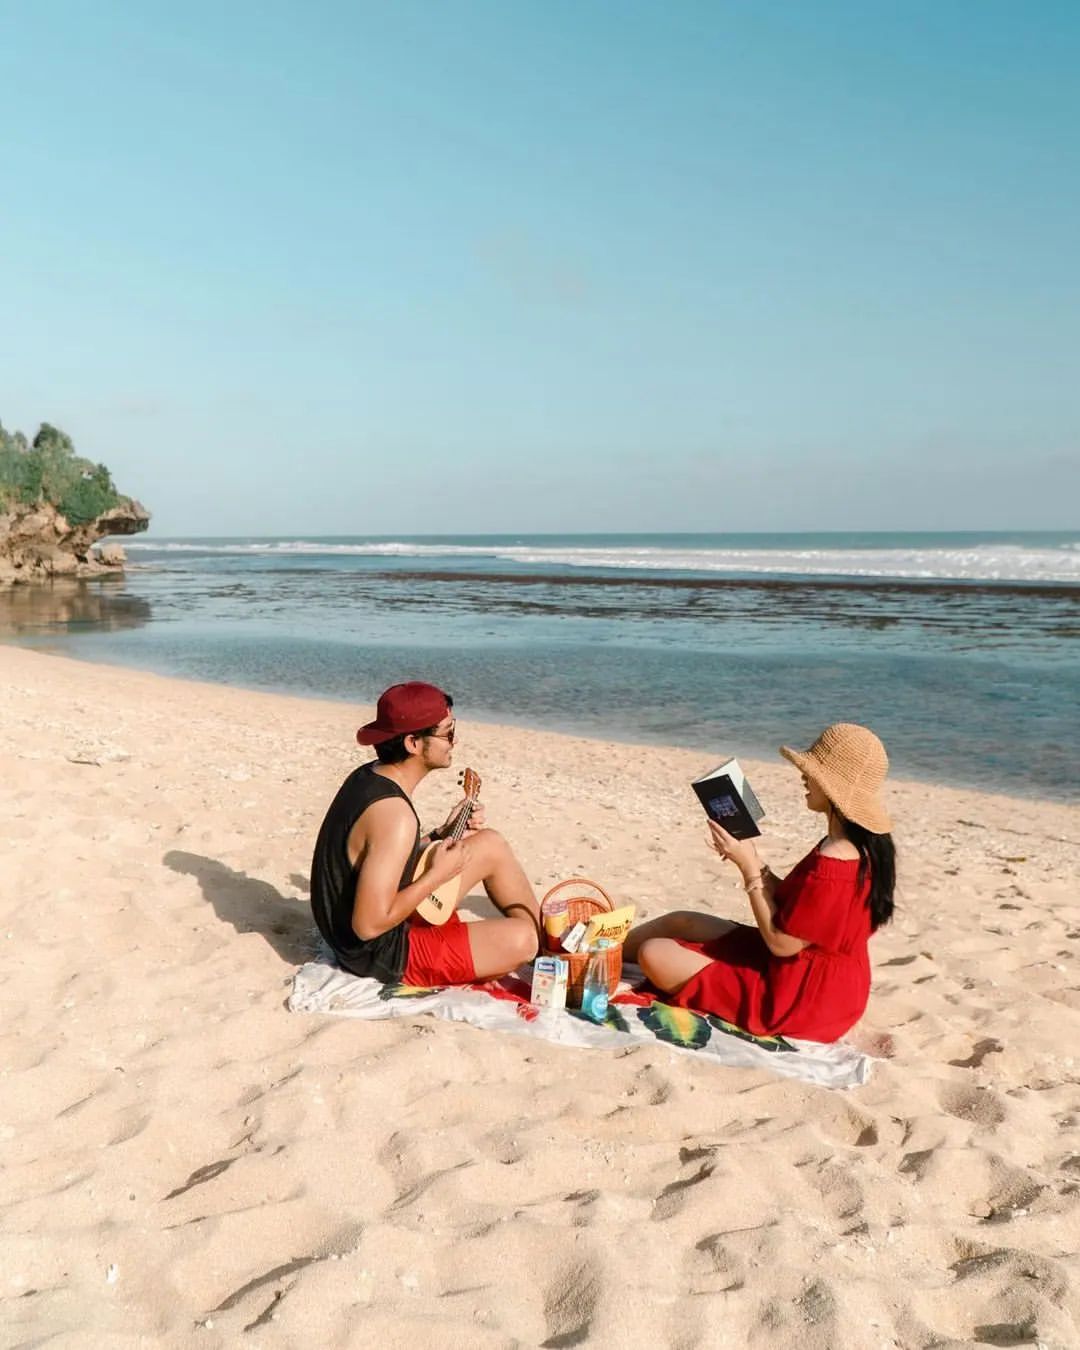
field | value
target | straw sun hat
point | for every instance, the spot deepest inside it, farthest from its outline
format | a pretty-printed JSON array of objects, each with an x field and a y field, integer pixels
[{"x": 849, "y": 764}]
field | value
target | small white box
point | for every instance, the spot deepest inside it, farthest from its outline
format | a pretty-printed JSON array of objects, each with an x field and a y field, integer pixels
[
  {"x": 571, "y": 941},
  {"x": 550, "y": 977}
]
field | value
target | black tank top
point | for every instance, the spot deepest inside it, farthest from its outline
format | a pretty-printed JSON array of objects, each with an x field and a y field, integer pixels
[{"x": 333, "y": 879}]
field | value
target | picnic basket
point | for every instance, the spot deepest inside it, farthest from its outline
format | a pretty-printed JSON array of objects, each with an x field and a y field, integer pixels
[{"x": 580, "y": 907}]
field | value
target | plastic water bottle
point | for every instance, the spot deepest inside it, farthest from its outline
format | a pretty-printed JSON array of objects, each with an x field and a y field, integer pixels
[{"x": 594, "y": 994}]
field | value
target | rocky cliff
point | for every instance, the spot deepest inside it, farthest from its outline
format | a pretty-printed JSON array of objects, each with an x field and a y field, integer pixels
[
  {"x": 55, "y": 506},
  {"x": 37, "y": 541}
]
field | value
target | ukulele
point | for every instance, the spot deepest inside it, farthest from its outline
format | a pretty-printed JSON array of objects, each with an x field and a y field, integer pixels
[{"x": 441, "y": 903}]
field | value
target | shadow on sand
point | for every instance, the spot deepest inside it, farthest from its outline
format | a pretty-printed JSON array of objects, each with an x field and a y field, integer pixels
[{"x": 250, "y": 905}]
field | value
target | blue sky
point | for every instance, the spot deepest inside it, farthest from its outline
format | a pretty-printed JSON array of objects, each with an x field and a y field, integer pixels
[{"x": 509, "y": 266}]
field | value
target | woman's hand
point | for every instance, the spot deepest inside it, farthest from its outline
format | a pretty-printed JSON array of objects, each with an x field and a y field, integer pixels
[{"x": 742, "y": 852}]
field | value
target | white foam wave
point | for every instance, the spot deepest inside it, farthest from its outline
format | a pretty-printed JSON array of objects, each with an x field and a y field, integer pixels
[
  {"x": 976, "y": 564},
  {"x": 386, "y": 549},
  {"x": 979, "y": 562}
]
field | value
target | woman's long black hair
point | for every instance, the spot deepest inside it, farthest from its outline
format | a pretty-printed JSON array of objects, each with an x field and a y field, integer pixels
[{"x": 877, "y": 858}]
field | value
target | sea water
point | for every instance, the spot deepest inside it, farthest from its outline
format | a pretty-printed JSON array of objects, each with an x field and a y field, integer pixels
[{"x": 961, "y": 650}]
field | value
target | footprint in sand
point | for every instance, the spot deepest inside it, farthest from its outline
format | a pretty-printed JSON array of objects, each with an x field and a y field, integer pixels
[
  {"x": 649, "y": 1082},
  {"x": 880, "y": 1044},
  {"x": 917, "y": 1162},
  {"x": 273, "y": 1276},
  {"x": 1019, "y": 1299},
  {"x": 808, "y": 1319},
  {"x": 842, "y": 1194},
  {"x": 713, "y": 1267},
  {"x": 843, "y": 1122},
  {"x": 583, "y": 1201},
  {"x": 503, "y": 1147},
  {"x": 570, "y": 1305},
  {"x": 1011, "y": 1268},
  {"x": 965, "y": 1181},
  {"x": 673, "y": 1196},
  {"x": 424, "y": 1183},
  {"x": 1012, "y": 1189},
  {"x": 978, "y": 1105},
  {"x": 410, "y": 1180},
  {"x": 130, "y": 1125}
]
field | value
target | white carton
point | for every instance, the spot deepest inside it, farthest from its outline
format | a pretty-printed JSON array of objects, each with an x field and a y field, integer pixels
[{"x": 550, "y": 975}]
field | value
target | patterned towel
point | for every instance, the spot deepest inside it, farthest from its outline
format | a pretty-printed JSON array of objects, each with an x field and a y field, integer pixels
[{"x": 633, "y": 1015}]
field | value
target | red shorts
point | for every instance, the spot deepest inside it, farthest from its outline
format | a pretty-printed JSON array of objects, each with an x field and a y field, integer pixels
[{"x": 439, "y": 955}]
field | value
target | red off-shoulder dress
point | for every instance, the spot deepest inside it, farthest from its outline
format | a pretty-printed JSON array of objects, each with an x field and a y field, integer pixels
[{"x": 816, "y": 995}]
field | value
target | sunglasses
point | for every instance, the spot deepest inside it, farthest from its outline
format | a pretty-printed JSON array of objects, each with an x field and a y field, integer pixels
[{"x": 447, "y": 735}]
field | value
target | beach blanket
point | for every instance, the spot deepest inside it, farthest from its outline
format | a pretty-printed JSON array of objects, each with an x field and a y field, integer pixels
[{"x": 634, "y": 1016}]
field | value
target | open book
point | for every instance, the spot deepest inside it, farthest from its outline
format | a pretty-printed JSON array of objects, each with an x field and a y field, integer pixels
[{"x": 729, "y": 800}]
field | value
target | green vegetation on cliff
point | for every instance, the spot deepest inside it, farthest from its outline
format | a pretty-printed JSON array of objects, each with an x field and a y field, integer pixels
[{"x": 49, "y": 470}]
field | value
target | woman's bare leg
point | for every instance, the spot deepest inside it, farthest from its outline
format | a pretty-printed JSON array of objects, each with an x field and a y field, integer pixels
[
  {"x": 668, "y": 965},
  {"x": 683, "y": 923}
]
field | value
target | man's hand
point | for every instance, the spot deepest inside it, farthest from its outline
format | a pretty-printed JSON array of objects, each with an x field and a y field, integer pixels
[
  {"x": 476, "y": 819},
  {"x": 447, "y": 860}
]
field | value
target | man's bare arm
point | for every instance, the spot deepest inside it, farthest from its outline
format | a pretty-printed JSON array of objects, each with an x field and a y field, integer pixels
[{"x": 389, "y": 829}]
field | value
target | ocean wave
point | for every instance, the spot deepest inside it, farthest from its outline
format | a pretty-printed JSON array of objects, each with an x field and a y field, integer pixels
[
  {"x": 383, "y": 549},
  {"x": 977, "y": 562}
]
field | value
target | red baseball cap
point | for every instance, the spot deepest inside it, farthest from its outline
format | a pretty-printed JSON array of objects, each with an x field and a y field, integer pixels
[{"x": 403, "y": 708}]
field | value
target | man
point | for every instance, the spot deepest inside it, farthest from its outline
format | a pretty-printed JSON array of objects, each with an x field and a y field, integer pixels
[{"x": 362, "y": 888}]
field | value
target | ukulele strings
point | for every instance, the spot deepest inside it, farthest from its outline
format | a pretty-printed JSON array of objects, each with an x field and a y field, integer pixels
[{"x": 463, "y": 819}]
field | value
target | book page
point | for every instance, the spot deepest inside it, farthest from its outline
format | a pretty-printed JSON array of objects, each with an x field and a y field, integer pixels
[{"x": 720, "y": 769}]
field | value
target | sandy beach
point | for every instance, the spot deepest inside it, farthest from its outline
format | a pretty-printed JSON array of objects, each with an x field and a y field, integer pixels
[{"x": 187, "y": 1163}]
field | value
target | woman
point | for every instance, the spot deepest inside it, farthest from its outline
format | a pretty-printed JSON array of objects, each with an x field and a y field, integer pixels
[{"x": 804, "y": 970}]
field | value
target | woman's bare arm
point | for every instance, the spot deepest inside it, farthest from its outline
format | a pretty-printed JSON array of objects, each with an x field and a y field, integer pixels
[
  {"x": 760, "y": 886},
  {"x": 760, "y": 891}
]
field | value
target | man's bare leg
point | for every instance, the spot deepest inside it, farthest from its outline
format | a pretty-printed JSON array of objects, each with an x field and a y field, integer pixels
[{"x": 500, "y": 945}]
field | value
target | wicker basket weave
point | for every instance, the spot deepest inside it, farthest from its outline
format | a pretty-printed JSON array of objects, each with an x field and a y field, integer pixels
[{"x": 581, "y": 908}]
